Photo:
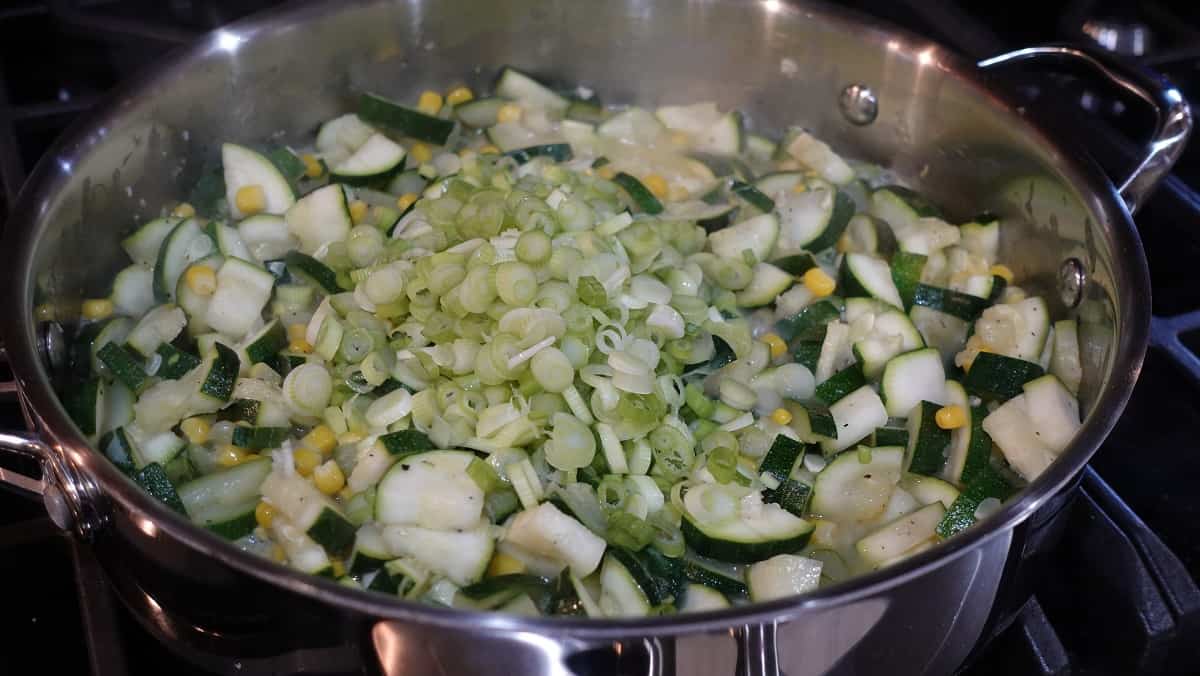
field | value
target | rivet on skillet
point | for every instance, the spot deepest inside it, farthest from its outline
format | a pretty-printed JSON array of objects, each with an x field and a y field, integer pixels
[
  {"x": 859, "y": 104},
  {"x": 1071, "y": 278}
]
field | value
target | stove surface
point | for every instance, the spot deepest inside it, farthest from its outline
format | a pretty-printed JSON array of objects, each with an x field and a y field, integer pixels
[{"x": 1116, "y": 594}]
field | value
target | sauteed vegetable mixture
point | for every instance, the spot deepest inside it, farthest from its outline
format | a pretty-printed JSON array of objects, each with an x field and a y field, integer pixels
[{"x": 533, "y": 354}]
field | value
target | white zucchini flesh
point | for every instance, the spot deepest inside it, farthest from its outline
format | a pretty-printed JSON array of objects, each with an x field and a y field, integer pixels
[
  {"x": 243, "y": 289},
  {"x": 633, "y": 126},
  {"x": 620, "y": 595},
  {"x": 1032, "y": 339},
  {"x": 267, "y": 236},
  {"x": 765, "y": 286},
  {"x": 698, "y": 598},
  {"x": 900, "y": 503},
  {"x": 911, "y": 378},
  {"x": 230, "y": 243},
  {"x": 1011, "y": 429},
  {"x": 296, "y": 498},
  {"x": 301, "y": 551},
  {"x": 161, "y": 325},
  {"x": 186, "y": 244},
  {"x": 133, "y": 290},
  {"x": 946, "y": 333},
  {"x": 430, "y": 489},
  {"x": 901, "y": 535},
  {"x": 803, "y": 216},
  {"x": 244, "y": 167},
  {"x": 874, "y": 275},
  {"x": 340, "y": 137},
  {"x": 1053, "y": 411},
  {"x": 460, "y": 555},
  {"x": 319, "y": 218},
  {"x": 377, "y": 155},
  {"x": 849, "y": 489},
  {"x": 546, "y": 531},
  {"x": 757, "y": 234},
  {"x": 818, "y": 156},
  {"x": 513, "y": 84},
  {"x": 836, "y": 351},
  {"x": 782, "y": 576},
  {"x": 856, "y": 415},
  {"x": 143, "y": 245},
  {"x": 928, "y": 490}
]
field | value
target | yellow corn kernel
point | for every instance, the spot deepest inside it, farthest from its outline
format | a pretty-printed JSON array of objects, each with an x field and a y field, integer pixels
[
  {"x": 773, "y": 341},
  {"x": 312, "y": 166},
  {"x": 358, "y": 211},
  {"x": 300, "y": 346},
  {"x": 201, "y": 279},
  {"x": 183, "y": 210},
  {"x": 606, "y": 172},
  {"x": 781, "y": 416},
  {"x": 843, "y": 243},
  {"x": 429, "y": 103},
  {"x": 321, "y": 438},
  {"x": 44, "y": 312},
  {"x": 338, "y": 568},
  {"x": 503, "y": 564},
  {"x": 278, "y": 554},
  {"x": 951, "y": 417},
  {"x": 196, "y": 429},
  {"x": 817, "y": 281},
  {"x": 800, "y": 186},
  {"x": 264, "y": 514},
  {"x": 656, "y": 184},
  {"x": 509, "y": 112},
  {"x": 420, "y": 152},
  {"x": 97, "y": 308},
  {"x": 306, "y": 460},
  {"x": 459, "y": 95},
  {"x": 488, "y": 149},
  {"x": 1001, "y": 270},
  {"x": 406, "y": 200},
  {"x": 329, "y": 478},
  {"x": 230, "y": 455},
  {"x": 296, "y": 332},
  {"x": 250, "y": 199}
]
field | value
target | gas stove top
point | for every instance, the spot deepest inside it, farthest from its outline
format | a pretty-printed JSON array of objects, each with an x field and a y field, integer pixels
[{"x": 1112, "y": 586}]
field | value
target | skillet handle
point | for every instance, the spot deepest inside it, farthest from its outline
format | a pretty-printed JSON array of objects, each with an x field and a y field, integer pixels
[
  {"x": 1173, "y": 116},
  {"x": 71, "y": 498}
]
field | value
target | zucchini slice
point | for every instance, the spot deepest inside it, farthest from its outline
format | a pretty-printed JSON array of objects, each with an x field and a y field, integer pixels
[
  {"x": 855, "y": 417},
  {"x": 639, "y": 194},
  {"x": 376, "y": 158},
  {"x": 184, "y": 245},
  {"x": 902, "y": 535},
  {"x": 320, "y": 218},
  {"x": 911, "y": 378},
  {"x": 480, "y": 113},
  {"x": 855, "y": 486},
  {"x": 243, "y": 289},
  {"x": 782, "y": 576},
  {"x": 430, "y": 489},
  {"x": 999, "y": 378},
  {"x": 927, "y": 443},
  {"x": 461, "y": 556},
  {"x": 244, "y": 167},
  {"x": 765, "y": 286},
  {"x": 743, "y": 538},
  {"x": 757, "y": 235},
  {"x": 143, "y": 245},
  {"x": 516, "y": 85},
  {"x": 133, "y": 290},
  {"x": 309, "y": 510},
  {"x": 408, "y": 122},
  {"x": 865, "y": 275},
  {"x": 224, "y": 501}
]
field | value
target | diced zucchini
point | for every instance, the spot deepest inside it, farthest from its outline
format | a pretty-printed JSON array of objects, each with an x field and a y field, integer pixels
[
  {"x": 160, "y": 448},
  {"x": 546, "y": 531},
  {"x": 153, "y": 479},
  {"x": 408, "y": 122},
  {"x": 370, "y": 550},
  {"x": 245, "y": 167},
  {"x": 810, "y": 321},
  {"x": 928, "y": 490},
  {"x": 940, "y": 331},
  {"x": 965, "y": 306},
  {"x": 259, "y": 438},
  {"x": 840, "y": 384},
  {"x": 855, "y": 486},
  {"x": 406, "y": 442},
  {"x": 375, "y": 159},
  {"x": 865, "y": 275},
  {"x": 516, "y": 85},
  {"x": 243, "y": 289},
  {"x": 479, "y": 113},
  {"x": 639, "y": 195},
  {"x": 927, "y": 443},
  {"x": 175, "y": 362},
  {"x": 309, "y": 510},
  {"x": 620, "y": 594},
  {"x": 997, "y": 377},
  {"x": 906, "y": 274},
  {"x": 221, "y": 373},
  {"x": 961, "y": 514},
  {"x": 782, "y": 576},
  {"x": 224, "y": 501},
  {"x": 1053, "y": 411},
  {"x": 320, "y": 218},
  {"x": 911, "y": 378},
  {"x": 143, "y": 245},
  {"x": 303, "y": 553},
  {"x": 723, "y": 582},
  {"x": 765, "y": 286},
  {"x": 901, "y": 535},
  {"x": 133, "y": 290},
  {"x": 430, "y": 489},
  {"x": 783, "y": 455},
  {"x": 1065, "y": 361},
  {"x": 1012, "y": 430},
  {"x": 124, "y": 365},
  {"x": 184, "y": 245},
  {"x": 317, "y": 274},
  {"x": 757, "y": 235},
  {"x": 161, "y": 325},
  {"x": 264, "y": 345},
  {"x": 698, "y": 598},
  {"x": 745, "y": 537},
  {"x": 266, "y": 236},
  {"x": 229, "y": 241},
  {"x": 462, "y": 556},
  {"x": 818, "y": 156},
  {"x": 855, "y": 417}
]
